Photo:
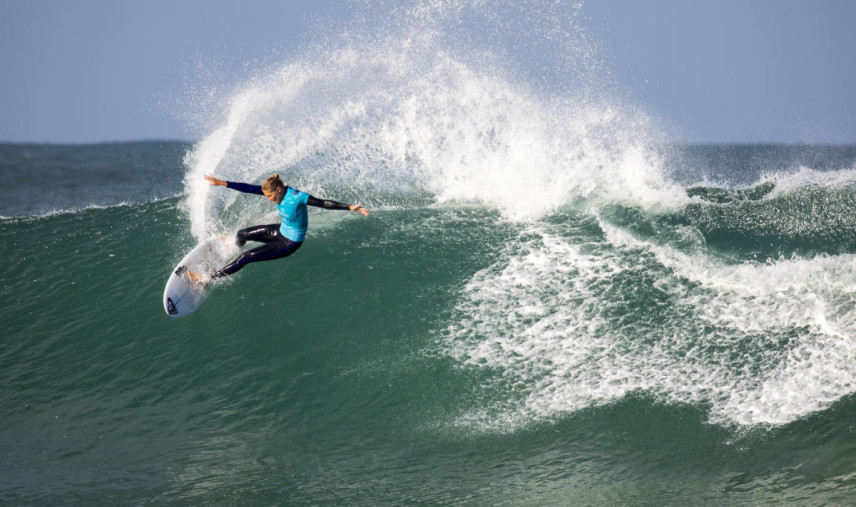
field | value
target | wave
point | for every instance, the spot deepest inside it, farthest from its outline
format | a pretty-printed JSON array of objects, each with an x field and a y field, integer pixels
[
  {"x": 737, "y": 300},
  {"x": 82, "y": 209},
  {"x": 618, "y": 275},
  {"x": 725, "y": 195},
  {"x": 87, "y": 176},
  {"x": 569, "y": 323}
]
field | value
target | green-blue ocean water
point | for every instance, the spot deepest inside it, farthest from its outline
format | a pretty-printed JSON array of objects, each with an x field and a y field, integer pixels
[
  {"x": 551, "y": 303},
  {"x": 610, "y": 350}
]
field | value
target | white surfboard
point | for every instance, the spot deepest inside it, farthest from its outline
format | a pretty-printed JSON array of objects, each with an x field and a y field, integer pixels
[{"x": 181, "y": 297}]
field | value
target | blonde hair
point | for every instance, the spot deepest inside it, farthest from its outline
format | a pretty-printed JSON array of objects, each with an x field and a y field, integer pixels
[{"x": 272, "y": 183}]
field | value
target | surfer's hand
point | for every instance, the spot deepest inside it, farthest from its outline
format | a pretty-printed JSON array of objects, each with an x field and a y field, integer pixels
[
  {"x": 214, "y": 181},
  {"x": 358, "y": 208}
]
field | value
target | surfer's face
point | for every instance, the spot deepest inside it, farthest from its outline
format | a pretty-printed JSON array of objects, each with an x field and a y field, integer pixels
[{"x": 274, "y": 195}]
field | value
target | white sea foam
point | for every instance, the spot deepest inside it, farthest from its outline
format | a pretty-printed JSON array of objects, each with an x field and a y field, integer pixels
[
  {"x": 792, "y": 318},
  {"x": 763, "y": 343}
]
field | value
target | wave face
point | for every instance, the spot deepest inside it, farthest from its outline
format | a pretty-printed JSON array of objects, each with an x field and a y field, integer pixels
[
  {"x": 549, "y": 304},
  {"x": 622, "y": 341}
]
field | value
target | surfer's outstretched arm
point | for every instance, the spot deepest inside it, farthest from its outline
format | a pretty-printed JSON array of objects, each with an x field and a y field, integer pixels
[
  {"x": 329, "y": 204},
  {"x": 312, "y": 200},
  {"x": 240, "y": 187}
]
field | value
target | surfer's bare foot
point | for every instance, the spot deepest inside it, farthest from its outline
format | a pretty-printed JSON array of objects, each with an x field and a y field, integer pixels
[{"x": 197, "y": 278}]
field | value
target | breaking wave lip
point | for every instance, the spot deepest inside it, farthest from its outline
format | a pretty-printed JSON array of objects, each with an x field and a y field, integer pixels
[
  {"x": 772, "y": 184},
  {"x": 806, "y": 178}
]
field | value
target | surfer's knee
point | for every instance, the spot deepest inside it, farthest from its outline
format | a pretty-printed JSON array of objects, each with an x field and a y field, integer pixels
[{"x": 241, "y": 237}]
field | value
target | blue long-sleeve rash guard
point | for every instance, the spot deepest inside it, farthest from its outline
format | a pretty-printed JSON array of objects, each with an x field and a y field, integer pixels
[{"x": 292, "y": 208}]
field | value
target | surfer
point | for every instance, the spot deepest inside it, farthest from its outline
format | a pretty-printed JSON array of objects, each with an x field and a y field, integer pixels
[{"x": 282, "y": 239}]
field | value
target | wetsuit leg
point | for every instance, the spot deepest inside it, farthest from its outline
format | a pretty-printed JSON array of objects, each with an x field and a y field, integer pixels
[
  {"x": 276, "y": 246},
  {"x": 261, "y": 233}
]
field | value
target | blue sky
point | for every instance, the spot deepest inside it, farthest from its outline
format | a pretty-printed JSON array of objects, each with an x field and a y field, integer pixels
[{"x": 711, "y": 71}]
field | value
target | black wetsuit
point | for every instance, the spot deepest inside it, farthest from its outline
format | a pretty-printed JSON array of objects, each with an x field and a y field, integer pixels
[{"x": 276, "y": 245}]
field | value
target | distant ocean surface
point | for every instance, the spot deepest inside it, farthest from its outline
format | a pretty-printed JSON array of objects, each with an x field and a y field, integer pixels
[{"x": 608, "y": 351}]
